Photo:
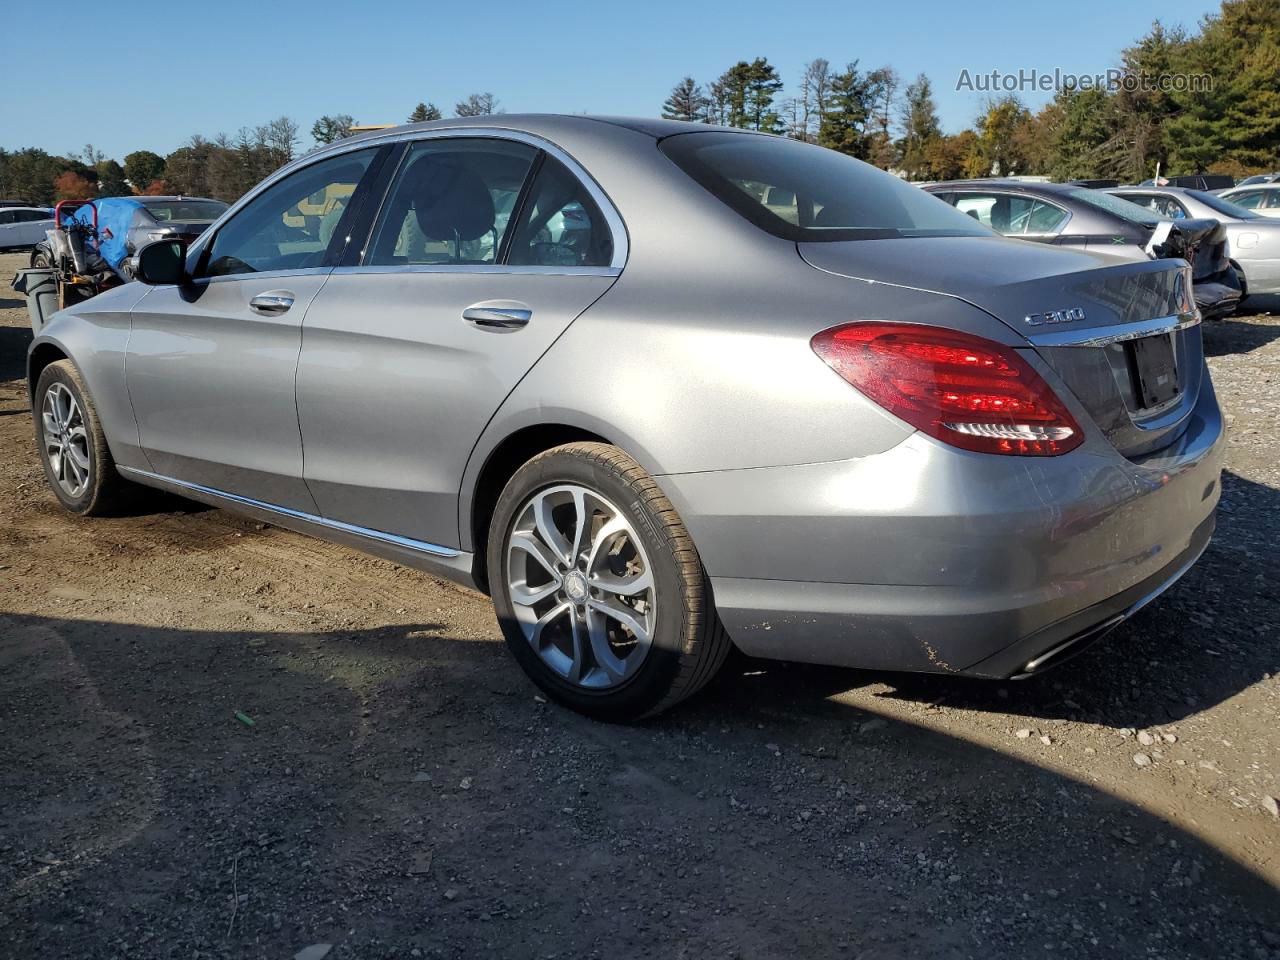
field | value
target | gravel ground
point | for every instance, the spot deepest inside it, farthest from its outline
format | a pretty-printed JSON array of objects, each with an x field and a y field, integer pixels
[{"x": 402, "y": 792}]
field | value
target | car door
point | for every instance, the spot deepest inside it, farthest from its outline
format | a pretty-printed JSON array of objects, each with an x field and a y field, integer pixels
[
  {"x": 210, "y": 363},
  {"x": 31, "y": 226},
  {"x": 485, "y": 249},
  {"x": 8, "y": 229}
]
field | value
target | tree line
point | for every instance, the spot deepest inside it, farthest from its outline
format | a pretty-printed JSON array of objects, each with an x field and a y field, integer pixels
[
  {"x": 869, "y": 113},
  {"x": 223, "y": 166},
  {"x": 1121, "y": 132}
]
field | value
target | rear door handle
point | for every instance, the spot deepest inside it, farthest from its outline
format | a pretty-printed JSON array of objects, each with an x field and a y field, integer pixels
[
  {"x": 272, "y": 303},
  {"x": 498, "y": 314}
]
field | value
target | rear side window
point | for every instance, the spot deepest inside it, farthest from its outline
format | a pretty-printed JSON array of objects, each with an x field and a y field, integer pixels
[
  {"x": 560, "y": 224},
  {"x": 451, "y": 203},
  {"x": 801, "y": 192}
]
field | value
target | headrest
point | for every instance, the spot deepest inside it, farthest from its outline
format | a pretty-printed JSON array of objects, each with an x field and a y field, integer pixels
[{"x": 450, "y": 200}]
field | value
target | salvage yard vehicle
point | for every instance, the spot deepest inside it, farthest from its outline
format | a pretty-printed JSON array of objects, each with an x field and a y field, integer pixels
[
  {"x": 1253, "y": 241},
  {"x": 22, "y": 227},
  {"x": 126, "y": 224},
  {"x": 846, "y": 424},
  {"x": 1069, "y": 215}
]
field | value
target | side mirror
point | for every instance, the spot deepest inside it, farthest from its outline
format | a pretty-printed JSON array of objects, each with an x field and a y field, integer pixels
[{"x": 162, "y": 262}]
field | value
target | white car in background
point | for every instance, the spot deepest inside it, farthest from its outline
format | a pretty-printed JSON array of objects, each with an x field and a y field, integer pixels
[
  {"x": 23, "y": 227},
  {"x": 1263, "y": 198}
]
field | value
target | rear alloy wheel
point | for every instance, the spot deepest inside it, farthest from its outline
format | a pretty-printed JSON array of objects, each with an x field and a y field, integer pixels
[{"x": 597, "y": 586}]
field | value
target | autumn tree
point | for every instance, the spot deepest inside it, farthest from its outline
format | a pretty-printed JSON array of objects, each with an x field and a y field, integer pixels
[
  {"x": 998, "y": 147},
  {"x": 73, "y": 186}
]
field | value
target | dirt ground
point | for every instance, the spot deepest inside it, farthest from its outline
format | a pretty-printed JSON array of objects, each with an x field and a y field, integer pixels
[{"x": 402, "y": 792}]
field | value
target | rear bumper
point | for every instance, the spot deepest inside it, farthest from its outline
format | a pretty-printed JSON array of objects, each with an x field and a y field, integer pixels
[
  {"x": 931, "y": 559},
  {"x": 1218, "y": 297}
]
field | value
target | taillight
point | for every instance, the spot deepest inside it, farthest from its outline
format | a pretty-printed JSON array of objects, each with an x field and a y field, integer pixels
[{"x": 964, "y": 390}]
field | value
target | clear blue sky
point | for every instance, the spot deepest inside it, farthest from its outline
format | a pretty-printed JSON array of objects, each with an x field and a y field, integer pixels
[{"x": 148, "y": 75}]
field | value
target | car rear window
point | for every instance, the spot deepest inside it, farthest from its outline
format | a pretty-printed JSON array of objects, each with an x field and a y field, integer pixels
[
  {"x": 1116, "y": 207},
  {"x": 178, "y": 210},
  {"x": 805, "y": 193},
  {"x": 1225, "y": 207}
]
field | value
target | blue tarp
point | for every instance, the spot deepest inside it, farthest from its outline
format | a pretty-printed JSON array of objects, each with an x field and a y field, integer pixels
[{"x": 115, "y": 214}]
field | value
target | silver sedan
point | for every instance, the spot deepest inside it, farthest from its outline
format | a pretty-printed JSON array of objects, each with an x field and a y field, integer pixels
[
  {"x": 1253, "y": 241},
  {"x": 661, "y": 389}
]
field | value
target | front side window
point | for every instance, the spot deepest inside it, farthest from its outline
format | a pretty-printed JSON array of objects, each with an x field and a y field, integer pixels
[
  {"x": 283, "y": 228},
  {"x": 451, "y": 202},
  {"x": 801, "y": 192},
  {"x": 560, "y": 224}
]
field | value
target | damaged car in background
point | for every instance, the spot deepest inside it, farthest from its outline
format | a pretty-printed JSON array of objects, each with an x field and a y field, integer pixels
[{"x": 1067, "y": 215}]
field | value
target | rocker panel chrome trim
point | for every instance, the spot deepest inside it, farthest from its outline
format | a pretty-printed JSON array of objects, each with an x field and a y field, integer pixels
[{"x": 418, "y": 546}]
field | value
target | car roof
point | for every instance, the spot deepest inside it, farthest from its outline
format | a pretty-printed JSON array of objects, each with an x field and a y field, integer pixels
[
  {"x": 1031, "y": 186},
  {"x": 1273, "y": 185},
  {"x": 545, "y": 125}
]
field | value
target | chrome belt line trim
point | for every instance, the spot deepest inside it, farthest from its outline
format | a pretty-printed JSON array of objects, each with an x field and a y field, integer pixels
[
  {"x": 418, "y": 546},
  {"x": 1115, "y": 333}
]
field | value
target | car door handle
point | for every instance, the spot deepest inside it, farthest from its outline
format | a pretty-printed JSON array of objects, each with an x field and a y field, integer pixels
[
  {"x": 272, "y": 304},
  {"x": 498, "y": 314}
]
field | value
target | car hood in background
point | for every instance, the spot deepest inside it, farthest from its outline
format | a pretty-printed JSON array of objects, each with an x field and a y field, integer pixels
[{"x": 1013, "y": 279}]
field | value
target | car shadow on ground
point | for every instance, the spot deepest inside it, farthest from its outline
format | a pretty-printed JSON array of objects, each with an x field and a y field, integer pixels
[
  {"x": 14, "y": 342},
  {"x": 180, "y": 791},
  {"x": 1230, "y": 335}
]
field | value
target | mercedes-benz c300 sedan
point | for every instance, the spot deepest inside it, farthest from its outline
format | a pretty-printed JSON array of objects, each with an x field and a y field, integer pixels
[{"x": 661, "y": 389}]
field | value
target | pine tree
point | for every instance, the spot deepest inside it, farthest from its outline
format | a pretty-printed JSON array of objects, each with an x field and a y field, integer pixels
[
  {"x": 845, "y": 124},
  {"x": 920, "y": 127},
  {"x": 423, "y": 112},
  {"x": 687, "y": 102}
]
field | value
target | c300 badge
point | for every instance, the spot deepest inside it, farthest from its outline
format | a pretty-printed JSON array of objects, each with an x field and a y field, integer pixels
[{"x": 1055, "y": 316}]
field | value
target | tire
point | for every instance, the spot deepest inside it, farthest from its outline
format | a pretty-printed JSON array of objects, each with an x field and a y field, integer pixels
[
  {"x": 82, "y": 474},
  {"x": 41, "y": 258},
  {"x": 583, "y": 656}
]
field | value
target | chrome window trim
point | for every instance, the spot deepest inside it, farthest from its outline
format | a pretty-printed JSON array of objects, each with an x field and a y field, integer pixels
[
  {"x": 1115, "y": 333},
  {"x": 481, "y": 268},
  {"x": 617, "y": 227},
  {"x": 418, "y": 546}
]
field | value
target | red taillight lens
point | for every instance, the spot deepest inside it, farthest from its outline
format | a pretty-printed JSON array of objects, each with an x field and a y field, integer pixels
[{"x": 964, "y": 390}]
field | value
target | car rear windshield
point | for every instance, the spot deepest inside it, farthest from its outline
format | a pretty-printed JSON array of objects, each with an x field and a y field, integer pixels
[
  {"x": 1224, "y": 207},
  {"x": 805, "y": 193},
  {"x": 178, "y": 210},
  {"x": 1116, "y": 207}
]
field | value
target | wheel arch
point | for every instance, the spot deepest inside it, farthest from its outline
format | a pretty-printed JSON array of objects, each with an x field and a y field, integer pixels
[
  {"x": 501, "y": 463},
  {"x": 42, "y": 353}
]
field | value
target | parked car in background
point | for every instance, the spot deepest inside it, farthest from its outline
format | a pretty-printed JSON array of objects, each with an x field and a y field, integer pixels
[
  {"x": 1253, "y": 241},
  {"x": 1259, "y": 178},
  {"x": 1066, "y": 215},
  {"x": 834, "y": 421},
  {"x": 23, "y": 227},
  {"x": 18, "y": 203},
  {"x": 1194, "y": 181},
  {"x": 126, "y": 224},
  {"x": 1261, "y": 198}
]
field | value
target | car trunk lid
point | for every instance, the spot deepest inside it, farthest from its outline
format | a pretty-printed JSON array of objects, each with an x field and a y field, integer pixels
[{"x": 1121, "y": 336}]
